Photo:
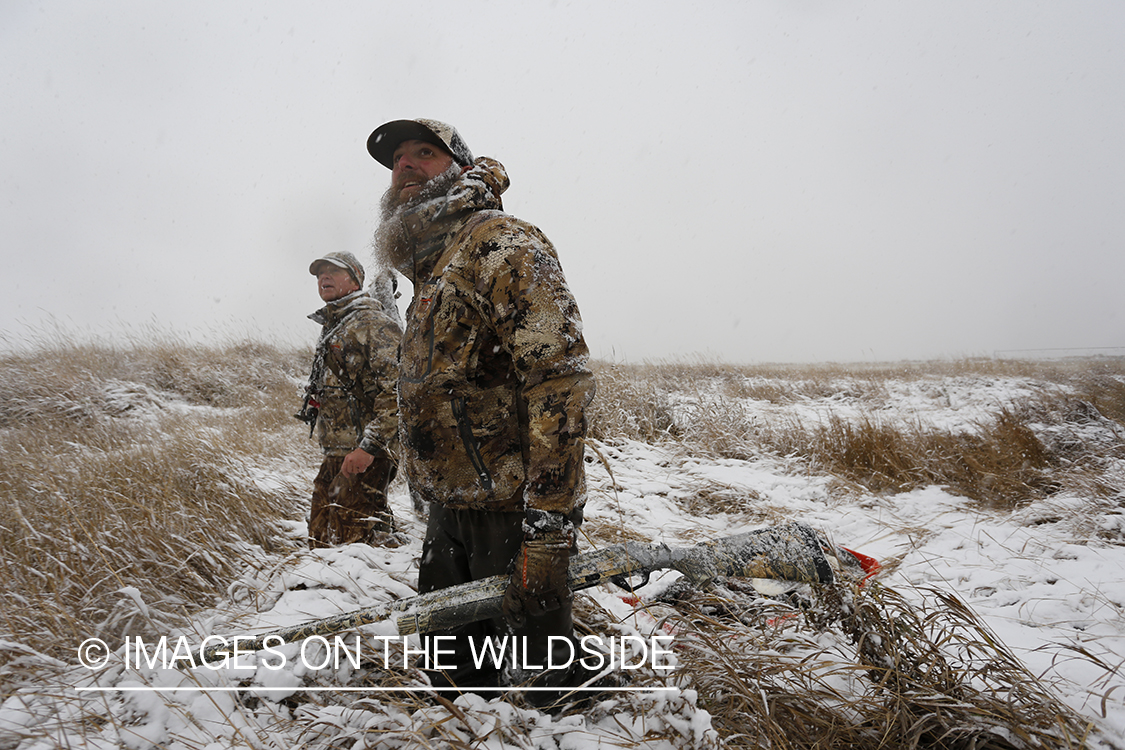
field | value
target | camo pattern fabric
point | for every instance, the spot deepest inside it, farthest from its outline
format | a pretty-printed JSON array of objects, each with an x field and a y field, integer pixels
[
  {"x": 351, "y": 508},
  {"x": 358, "y": 347},
  {"x": 494, "y": 371}
]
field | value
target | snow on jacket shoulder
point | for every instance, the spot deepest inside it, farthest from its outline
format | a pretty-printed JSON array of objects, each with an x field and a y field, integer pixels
[
  {"x": 494, "y": 373},
  {"x": 359, "y": 343}
]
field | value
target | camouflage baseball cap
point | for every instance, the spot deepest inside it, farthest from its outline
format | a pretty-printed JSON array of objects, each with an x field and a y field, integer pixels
[
  {"x": 386, "y": 138},
  {"x": 341, "y": 260}
]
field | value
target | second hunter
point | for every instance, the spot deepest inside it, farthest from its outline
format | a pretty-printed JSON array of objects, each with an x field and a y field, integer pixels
[{"x": 351, "y": 404}]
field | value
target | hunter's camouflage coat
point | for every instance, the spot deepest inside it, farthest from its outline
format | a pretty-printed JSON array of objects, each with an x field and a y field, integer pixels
[
  {"x": 494, "y": 371},
  {"x": 353, "y": 377}
]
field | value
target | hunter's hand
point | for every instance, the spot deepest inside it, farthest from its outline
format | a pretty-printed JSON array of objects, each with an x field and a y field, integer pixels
[
  {"x": 356, "y": 462},
  {"x": 539, "y": 581}
]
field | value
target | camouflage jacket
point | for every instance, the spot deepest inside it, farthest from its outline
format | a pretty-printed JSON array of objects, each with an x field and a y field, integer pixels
[
  {"x": 353, "y": 377},
  {"x": 494, "y": 376}
]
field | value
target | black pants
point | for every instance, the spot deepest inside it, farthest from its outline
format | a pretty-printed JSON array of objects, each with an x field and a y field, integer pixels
[{"x": 467, "y": 545}]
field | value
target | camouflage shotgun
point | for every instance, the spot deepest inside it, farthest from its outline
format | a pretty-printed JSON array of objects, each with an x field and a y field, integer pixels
[{"x": 789, "y": 552}]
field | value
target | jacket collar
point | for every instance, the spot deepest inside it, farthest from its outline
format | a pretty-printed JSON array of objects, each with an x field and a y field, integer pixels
[
  {"x": 336, "y": 310},
  {"x": 429, "y": 226}
]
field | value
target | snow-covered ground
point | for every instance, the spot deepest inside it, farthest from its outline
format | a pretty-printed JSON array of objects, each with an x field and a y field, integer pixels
[{"x": 1052, "y": 591}]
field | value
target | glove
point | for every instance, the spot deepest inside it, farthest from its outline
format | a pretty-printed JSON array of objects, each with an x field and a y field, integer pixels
[{"x": 539, "y": 581}]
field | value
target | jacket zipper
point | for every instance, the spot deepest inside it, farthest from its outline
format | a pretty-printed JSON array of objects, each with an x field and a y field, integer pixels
[{"x": 470, "y": 442}]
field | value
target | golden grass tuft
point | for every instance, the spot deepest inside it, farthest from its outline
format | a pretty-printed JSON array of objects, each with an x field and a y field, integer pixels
[{"x": 999, "y": 465}]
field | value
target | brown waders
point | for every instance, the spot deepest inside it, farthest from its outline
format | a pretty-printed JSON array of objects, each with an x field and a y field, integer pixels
[{"x": 350, "y": 509}]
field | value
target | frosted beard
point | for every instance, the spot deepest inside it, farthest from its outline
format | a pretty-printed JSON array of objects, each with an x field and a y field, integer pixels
[{"x": 392, "y": 248}]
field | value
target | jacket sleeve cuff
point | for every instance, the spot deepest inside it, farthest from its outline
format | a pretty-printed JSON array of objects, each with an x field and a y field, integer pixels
[
  {"x": 542, "y": 523},
  {"x": 371, "y": 446}
]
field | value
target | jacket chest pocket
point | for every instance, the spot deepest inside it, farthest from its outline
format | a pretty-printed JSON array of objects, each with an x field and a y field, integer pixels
[
  {"x": 417, "y": 353},
  {"x": 441, "y": 332}
]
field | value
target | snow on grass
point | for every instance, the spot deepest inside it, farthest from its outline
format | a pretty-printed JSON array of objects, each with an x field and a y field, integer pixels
[{"x": 1044, "y": 578}]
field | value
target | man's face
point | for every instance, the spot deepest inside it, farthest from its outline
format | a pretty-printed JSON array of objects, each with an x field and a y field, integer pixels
[
  {"x": 415, "y": 164},
  {"x": 333, "y": 282}
]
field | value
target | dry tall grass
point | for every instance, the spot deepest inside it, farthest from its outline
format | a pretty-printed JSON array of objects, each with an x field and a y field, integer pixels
[
  {"x": 133, "y": 489},
  {"x": 130, "y": 483},
  {"x": 1021, "y": 451},
  {"x": 920, "y": 677}
]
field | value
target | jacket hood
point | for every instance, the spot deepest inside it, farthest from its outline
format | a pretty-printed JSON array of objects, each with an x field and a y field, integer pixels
[{"x": 427, "y": 226}]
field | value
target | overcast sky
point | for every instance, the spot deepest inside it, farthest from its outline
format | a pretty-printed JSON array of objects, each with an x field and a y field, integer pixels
[{"x": 744, "y": 181}]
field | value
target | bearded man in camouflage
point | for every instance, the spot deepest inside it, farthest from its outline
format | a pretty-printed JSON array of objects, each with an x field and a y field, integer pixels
[
  {"x": 494, "y": 381},
  {"x": 350, "y": 403}
]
